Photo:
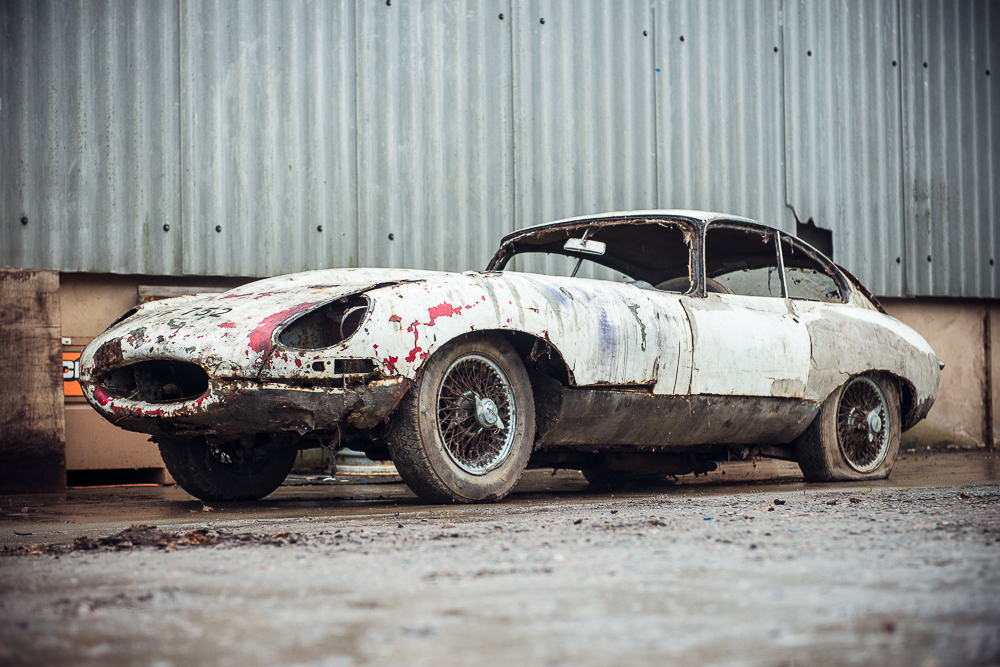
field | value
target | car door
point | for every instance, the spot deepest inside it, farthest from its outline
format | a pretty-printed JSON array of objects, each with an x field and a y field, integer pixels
[{"x": 747, "y": 340}]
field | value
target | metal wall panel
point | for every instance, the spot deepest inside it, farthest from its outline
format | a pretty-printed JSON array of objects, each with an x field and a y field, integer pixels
[
  {"x": 843, "y": 158},
  {"x": 719, "y": 108},
  {"x": 435, "y": 133},
  {"x": 89, "y": 136},
  {"x": 584, "y": 115},
  {"x": 445, "y": 126},
  {"x": 951, "y": 141},
  {"x": 268, "y": 137}
]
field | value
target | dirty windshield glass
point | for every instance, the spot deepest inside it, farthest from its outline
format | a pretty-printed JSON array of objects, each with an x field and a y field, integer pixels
[{"x": 655, "y": 253}]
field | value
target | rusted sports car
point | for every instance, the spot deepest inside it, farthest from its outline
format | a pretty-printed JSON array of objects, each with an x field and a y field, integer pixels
[{"x": 697, "y": 337}]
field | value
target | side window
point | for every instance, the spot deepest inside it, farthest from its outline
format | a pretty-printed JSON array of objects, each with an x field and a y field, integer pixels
[
  {"x": 807, "y": 278},
  {"x": 741, "y": 261}
]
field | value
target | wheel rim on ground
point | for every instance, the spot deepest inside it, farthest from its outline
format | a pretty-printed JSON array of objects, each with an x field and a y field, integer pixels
[
  {"x": 476, "y": 415},
  {"x": 863, "y": 424}
]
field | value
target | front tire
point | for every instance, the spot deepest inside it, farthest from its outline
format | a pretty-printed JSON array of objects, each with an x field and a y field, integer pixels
[
  {"x": 464, "y": 431},
  {"x": 856, "y": 435},
  {"x": 225, "y": 472}
]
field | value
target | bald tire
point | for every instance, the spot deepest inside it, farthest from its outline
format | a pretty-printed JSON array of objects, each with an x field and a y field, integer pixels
[
  {"x": 194, "y": 468},
  {"x": 415, "y": 442},
  {"x": 818, "y": 449}
]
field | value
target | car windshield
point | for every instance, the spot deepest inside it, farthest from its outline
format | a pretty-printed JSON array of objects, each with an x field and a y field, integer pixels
[{"x": 655, "y": 252}]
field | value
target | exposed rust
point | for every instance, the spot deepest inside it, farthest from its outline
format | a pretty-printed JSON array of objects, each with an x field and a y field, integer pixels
[
  {"x": 237, "y": 407},
  {"x": 612, "y": 417},
  {"x": 109, "y": 354}
]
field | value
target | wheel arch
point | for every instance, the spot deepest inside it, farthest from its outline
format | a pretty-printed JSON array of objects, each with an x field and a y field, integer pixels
[
  {"x": 536, "y": 352},
  {"x": 909, "y": 407}
]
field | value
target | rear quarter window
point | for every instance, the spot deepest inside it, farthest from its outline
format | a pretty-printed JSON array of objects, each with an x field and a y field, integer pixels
[{"x": 806, "y": 277}]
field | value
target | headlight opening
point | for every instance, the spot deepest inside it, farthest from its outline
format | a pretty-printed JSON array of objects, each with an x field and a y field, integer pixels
[{"x": 328, "y": 325}]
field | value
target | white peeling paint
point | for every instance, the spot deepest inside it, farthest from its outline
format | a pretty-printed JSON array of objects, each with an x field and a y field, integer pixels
[{"x": 747, "y": 346}]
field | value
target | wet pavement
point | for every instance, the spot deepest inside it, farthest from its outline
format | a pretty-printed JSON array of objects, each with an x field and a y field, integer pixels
[{"x": 748, "y": 567}]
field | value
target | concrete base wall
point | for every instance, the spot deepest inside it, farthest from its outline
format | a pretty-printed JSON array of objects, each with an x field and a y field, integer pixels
[{"x": 965, "y": 334}]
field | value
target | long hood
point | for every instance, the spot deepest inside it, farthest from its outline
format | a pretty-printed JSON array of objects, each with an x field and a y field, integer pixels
[{"x": 230, "y": 333}]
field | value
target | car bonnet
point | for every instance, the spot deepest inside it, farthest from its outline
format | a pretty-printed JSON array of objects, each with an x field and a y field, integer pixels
[{"x": 228, "y": 334}]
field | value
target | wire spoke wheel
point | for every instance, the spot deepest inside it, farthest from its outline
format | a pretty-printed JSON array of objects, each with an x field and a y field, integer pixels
[
  {"x": 863, "y": 424},
  {"x": 463, "y": 432},
  {"x": 476, "y": 414}
]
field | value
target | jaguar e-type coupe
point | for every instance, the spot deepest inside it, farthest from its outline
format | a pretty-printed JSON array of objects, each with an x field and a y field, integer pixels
[{"x": 696, "y": 338}]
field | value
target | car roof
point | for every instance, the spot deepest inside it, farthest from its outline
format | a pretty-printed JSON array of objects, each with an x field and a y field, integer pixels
[{"x": 700, "y": 217}]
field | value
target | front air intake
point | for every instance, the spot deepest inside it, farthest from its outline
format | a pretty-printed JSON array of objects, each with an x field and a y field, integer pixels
[{"x": 157, "y": 381}]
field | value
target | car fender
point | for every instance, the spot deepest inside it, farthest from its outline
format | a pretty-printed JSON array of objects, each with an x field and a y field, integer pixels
[
  {"x": 849, "y": 341},
  {"x": 607, "y": 333}
]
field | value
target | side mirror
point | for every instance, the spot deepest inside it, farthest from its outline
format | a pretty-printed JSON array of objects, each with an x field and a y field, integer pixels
[{"x": 585, "y": 246}]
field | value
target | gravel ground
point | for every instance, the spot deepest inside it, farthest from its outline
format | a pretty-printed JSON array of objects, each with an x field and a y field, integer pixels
[{"x": 882, "y": 575}]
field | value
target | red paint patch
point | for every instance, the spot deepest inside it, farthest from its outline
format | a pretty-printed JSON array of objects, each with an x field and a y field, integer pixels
[
  {"x": 413, "y": 354},
  {"x": 423, "y": 356},
  {"x": 390, "y": 364},
  {"x": 375, "y": 345},
  {"x": 444, "y": 309},
  {"x": 395, "y": 318},
  {"x": 227, "y": 325},
  {"x": 101, "y": 396},
  {"x": 298, "y": 363}
]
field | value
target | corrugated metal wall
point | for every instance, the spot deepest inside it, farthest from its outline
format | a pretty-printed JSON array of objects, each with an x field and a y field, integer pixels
[
  {"x": 356, "y": 132},
  {"x": 719, "y": 108},
  {"x": 584, "y": 112},
  {"x": 951, "y": 134},
  {"x": 843, "y": 164},
  {"x": 89, "y": 136},
  {"x": 267, "y": 110},
  {"x": 435, "y": 132}
]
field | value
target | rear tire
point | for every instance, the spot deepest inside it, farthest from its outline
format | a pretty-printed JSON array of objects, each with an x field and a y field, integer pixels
[
  {"x": 225, "y": 472},
  {"x": 443, "y": 438},
  {"x": 856, "y": 434}
]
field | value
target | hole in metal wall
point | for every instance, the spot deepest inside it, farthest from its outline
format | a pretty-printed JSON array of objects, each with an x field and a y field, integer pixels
[{"x": 817, "y": 237}]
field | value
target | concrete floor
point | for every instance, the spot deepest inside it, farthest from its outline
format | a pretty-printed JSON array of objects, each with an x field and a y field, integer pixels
[{"x": 707, "y": 571}]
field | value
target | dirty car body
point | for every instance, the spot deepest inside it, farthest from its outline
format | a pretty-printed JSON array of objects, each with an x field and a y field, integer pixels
[{"x": 714, "y": 337}]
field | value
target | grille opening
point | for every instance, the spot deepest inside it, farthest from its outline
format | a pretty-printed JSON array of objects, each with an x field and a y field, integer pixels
[
  {"x": 326, "y": 326},
  {"x": 157, "y": 381},
  {"x": 346, "y": 373}
]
